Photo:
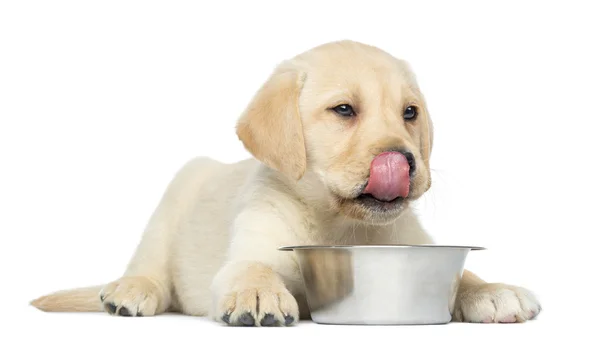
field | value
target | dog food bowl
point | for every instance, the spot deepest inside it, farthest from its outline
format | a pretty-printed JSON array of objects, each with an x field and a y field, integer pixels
[{"x": 381, "y": 284}]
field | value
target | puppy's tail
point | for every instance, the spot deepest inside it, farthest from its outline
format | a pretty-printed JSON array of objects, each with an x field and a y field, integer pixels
[{"x": 85, "y": 299}]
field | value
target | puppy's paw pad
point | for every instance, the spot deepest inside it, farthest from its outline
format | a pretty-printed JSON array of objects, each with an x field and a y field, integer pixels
[
  {"x": 247, "y": 319},
  {"x": 289, "y": 320},
  {"x": 110, "y": 308},
  {"x": 268, "y": 320},
  {"x": 130, "y": 296},
  {"x": 124, "y": 312},
  {"x": 496, "y": 303}
]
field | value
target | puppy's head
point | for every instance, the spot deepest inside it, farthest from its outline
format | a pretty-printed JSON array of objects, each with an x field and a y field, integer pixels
[{"x": 353, "y": 115}]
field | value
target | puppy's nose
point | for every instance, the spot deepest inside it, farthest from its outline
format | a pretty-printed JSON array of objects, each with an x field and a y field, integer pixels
[{"x": 411, "y": 162}]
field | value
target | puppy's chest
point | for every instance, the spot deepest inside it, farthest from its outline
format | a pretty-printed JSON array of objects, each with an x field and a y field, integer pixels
[{"x": 336, "y": 233}]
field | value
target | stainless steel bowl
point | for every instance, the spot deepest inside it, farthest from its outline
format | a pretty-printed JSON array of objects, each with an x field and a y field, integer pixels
[{"x": 383, "y": 284}]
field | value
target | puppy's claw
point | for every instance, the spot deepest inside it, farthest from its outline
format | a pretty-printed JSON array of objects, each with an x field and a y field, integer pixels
[{"x": 226, "y": 317}]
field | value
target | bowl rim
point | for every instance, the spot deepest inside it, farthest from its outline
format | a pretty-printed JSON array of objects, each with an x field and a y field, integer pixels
[{"x": 302, "y": 247}]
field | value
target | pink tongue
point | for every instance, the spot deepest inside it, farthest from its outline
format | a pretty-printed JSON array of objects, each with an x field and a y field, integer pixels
[{"x": 389, "y": 177}]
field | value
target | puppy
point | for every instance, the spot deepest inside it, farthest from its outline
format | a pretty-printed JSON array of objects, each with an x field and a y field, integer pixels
[{"x": 341, "y": 140}]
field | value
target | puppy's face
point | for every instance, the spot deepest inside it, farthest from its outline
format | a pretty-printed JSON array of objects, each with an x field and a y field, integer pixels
[{"x": 353, "y": 115}]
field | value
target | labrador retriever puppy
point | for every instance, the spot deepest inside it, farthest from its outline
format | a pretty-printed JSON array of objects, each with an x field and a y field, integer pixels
[{"x": 341, "y": 139}]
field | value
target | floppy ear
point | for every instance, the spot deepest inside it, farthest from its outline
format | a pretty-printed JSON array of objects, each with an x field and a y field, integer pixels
[{"x": 271, "y": 128}]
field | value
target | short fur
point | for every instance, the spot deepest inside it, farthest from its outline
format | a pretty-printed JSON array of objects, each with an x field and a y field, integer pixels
[{"x": 210, "y": 248}]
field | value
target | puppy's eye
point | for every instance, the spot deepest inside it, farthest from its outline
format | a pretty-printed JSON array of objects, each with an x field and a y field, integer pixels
[
  {"x": 410, "y": 113},
  {"x": 344, "y": 110}
]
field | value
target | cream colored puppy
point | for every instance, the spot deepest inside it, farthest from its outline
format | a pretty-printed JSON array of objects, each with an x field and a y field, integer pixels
[{"x": 341, "y": 137}]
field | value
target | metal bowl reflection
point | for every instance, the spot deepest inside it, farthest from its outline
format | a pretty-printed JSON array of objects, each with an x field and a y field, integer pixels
[{"x": 381, "y": 284}]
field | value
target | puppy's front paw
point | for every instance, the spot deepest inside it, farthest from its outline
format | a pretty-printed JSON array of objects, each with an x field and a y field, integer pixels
[
  {"x": 252, "y": 294},
  {"x": 262, "y": 306},
  {"x": 496, "y": 303}
]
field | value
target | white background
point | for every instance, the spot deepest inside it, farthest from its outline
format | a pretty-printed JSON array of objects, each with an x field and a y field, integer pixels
[{"x": 101, "y": 102}]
